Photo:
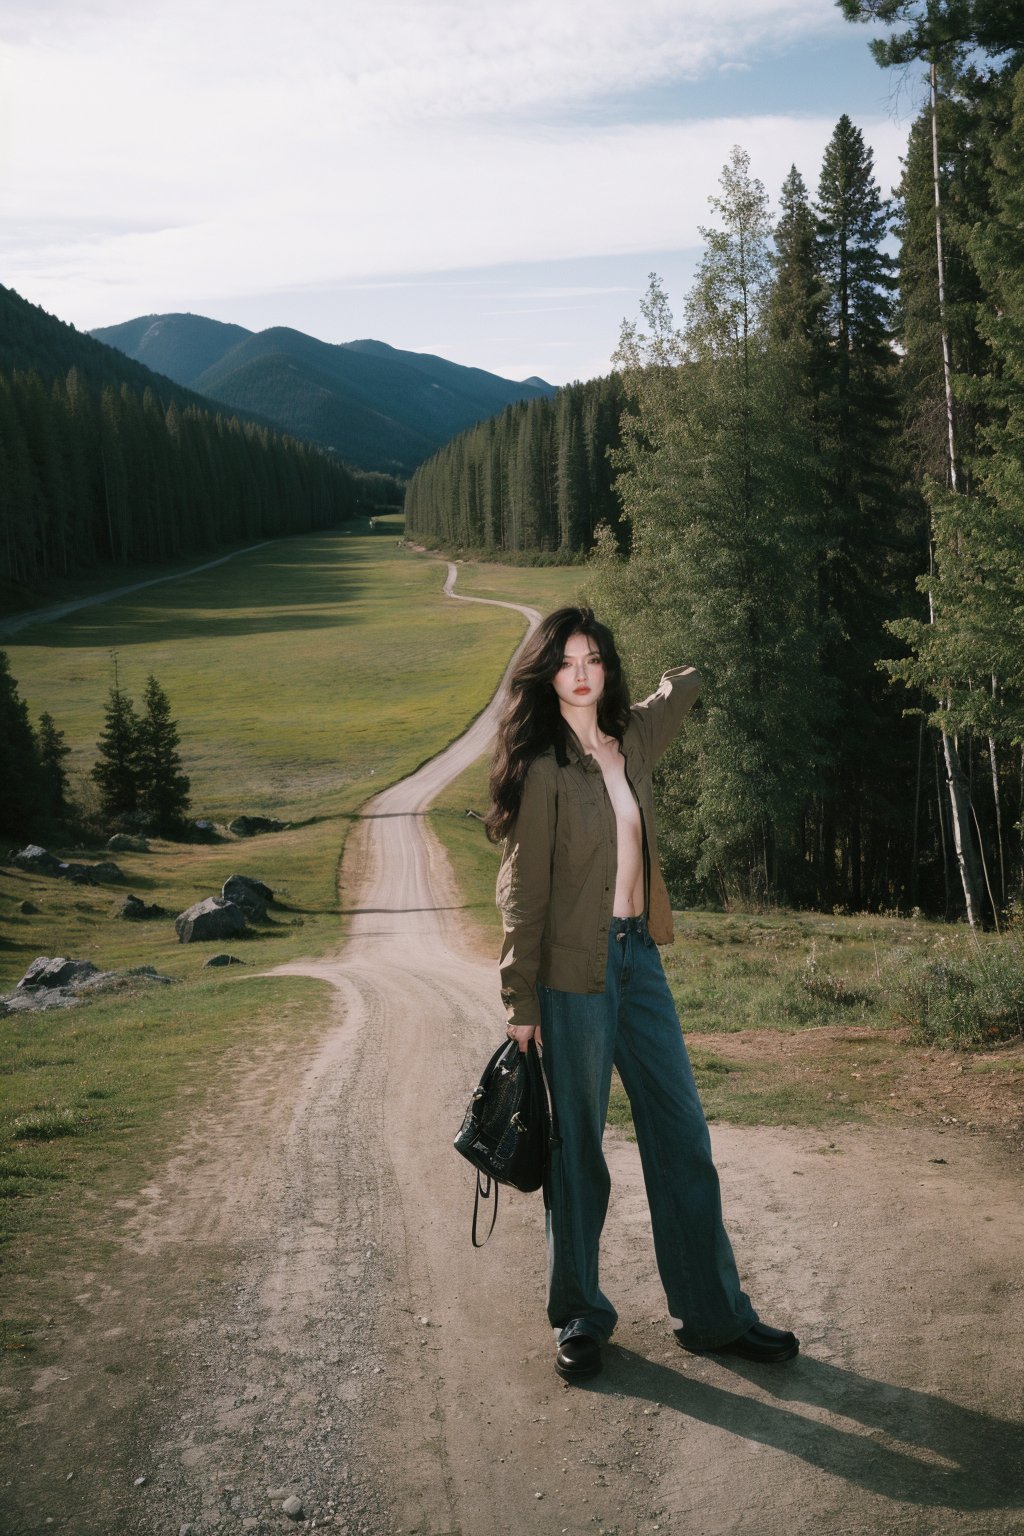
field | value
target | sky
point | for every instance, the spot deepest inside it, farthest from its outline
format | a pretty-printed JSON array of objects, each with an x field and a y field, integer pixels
[{"x": 489, "y": 180}]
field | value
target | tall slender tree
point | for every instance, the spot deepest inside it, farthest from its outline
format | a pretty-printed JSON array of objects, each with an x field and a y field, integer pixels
[
  {"x": 53, "y": 753},
  {"x": 723, "y": 552},
  {"x": 21, "y": 803}
]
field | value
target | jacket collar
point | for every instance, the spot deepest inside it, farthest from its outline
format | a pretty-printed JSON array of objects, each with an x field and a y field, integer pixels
[{"x": 575, "y": 753}]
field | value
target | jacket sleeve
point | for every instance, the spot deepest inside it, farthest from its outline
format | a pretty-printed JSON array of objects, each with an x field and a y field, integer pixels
[
  {"x": 524, "y": 891},
  {"x": 660, "y": 716}
]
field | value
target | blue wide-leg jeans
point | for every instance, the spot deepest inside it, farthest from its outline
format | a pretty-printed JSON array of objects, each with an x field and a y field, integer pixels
[{"x": 634, "y": 1026}]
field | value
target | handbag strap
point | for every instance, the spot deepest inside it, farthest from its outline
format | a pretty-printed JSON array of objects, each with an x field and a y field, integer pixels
[
  {"x": 554, "y": 1139},
  {"x": 484, "y": 1193}
]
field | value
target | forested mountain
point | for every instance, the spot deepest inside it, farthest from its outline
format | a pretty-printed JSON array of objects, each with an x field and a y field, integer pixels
[
  {"x": 376, "y": 406},
  {"x": 31, "y": 340},
  {"x": 180, "y": 346},
  {"x": 104, "y": 462},
  {"x": 536, "y": 478}
]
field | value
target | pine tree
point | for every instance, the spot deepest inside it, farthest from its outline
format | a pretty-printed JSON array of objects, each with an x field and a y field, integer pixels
[
  {"x": 163, "y": 787},
  {"x": 714, "y": 470},
  {"x": 952, "y": 37},
  {"x": 53, "y": 775},
  {"x": 117, "y": 770},
  {"x": 867, "y": 527},
  {"x": 22, "y": 802}
]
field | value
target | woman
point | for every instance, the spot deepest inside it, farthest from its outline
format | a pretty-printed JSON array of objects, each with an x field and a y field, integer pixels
[{"x": 583, "y": 905}]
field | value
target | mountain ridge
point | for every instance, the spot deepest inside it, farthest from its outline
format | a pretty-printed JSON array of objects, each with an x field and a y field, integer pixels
[{"x": 377, "y": 406}]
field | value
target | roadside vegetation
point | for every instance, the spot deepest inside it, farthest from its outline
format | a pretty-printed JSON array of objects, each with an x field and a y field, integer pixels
[
  {"x": 305, "y": 675},
  {"x": 808, "y": 1018}
]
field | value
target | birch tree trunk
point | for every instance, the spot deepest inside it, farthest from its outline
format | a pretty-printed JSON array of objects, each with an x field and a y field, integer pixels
[{"x": 967, "y": 860}]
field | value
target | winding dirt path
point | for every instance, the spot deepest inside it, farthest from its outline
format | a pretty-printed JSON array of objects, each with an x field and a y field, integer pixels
[
  {"x": 295, "y": 1307},
  {"x": 14, "y": 626}
]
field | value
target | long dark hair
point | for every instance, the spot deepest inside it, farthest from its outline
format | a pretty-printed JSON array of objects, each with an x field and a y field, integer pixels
[{"x": 532, "y": 721}]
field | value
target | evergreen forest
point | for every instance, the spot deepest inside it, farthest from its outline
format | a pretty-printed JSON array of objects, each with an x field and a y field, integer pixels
[
  {"x": 819, "y": 473},
  {"x": 105, "y": 463},
  {"x": 536, "y": 479}
]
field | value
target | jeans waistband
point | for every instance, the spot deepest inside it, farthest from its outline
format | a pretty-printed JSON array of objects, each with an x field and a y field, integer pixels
[{"x": 620, "y": 926}]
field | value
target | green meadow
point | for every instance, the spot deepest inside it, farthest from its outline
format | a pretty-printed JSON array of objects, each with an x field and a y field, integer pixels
[{"x": 305, "y": 676}]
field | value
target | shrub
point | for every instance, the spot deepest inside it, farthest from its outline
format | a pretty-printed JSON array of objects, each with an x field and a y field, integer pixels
[{"x": 960, "y": 994}]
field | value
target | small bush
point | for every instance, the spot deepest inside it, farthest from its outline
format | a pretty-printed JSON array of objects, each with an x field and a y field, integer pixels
[
  {"x": 960, "y": 994},
  {"x": 824, "y": 987}
]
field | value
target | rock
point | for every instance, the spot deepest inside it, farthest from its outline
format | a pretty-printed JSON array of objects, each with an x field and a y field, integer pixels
[
  {"x": 35, "y": 859},
  {"x": 275, "y": 1495},
  {"x": 251, "y": 895},
  {"x": 38, "y": 1000},
  {"x": 252, "y": 826},
  {"x": 78, "y": 874},
  {"x": 204, "y": 831},
  {"x": 58, "y": 972},
  {"x": 127, "y": 842},
  {"x": 213, "y": 918},
  {"x": 292, "y": 1507},
  {"x": 224, "y": 960},
  {"x": 62, "y": 983},
  {"x": 27, "y": 908},
  {"x": 134, "y": 910},
  {"x": 144, "y": 973},
  {"x": 106, "y": 872}
]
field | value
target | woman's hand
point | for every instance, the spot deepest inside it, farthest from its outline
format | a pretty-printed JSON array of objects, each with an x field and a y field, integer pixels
[{"x": 523, "y": 1034}]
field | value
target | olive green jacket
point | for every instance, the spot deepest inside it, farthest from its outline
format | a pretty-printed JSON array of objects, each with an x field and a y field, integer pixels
[{"x": 556, "y": 883}]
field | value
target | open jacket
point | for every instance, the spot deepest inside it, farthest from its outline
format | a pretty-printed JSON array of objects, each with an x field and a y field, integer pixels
[{"x": 556, "y": 883}]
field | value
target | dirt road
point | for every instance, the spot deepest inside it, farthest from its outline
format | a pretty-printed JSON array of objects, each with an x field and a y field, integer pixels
[
  {"x": 14, "y": 626},
  {"x": 292, "y": 1306}
]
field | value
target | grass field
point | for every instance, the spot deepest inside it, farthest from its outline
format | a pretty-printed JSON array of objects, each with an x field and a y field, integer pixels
[
  {"x": 304, "y": 676},
  {"x": 793, "y": 1018}
]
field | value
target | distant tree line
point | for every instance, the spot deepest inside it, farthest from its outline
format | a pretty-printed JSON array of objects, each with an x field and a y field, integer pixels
[
  {"x": 138, "y": 773},
  {"x": 116, "y": 477},
  {"x": 535, "y": 478},
  {"x": 822, "y": 476}
]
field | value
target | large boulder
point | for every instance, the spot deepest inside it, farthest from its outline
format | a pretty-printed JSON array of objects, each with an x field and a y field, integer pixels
[
  {"x": 36, "y": 860},
  {"x": 213, "y": 918},
  {"x": 251, "y": 895},
  {"x": 62, "y": 983},
  {"x": 134, "y": 910},
  {"x": 223, "y": 960},
  {"x": 252, "y": 826},
  {"x": 127, "y": 842},
  {"x": 57, "y": 972},
  {"x": 204, "y": 831}
]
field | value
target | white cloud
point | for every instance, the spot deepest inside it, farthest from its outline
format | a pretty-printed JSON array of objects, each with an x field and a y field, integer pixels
[
  {"x": 160, "y": 156},
  {"x": 434, "y": 203}
]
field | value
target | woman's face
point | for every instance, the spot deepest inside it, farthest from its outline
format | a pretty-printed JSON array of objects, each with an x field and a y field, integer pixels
[{"x": 579, "y": 681}]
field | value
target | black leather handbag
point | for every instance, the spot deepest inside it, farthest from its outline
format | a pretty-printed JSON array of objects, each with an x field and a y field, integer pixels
[{"x": 506, "y": 1134}]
